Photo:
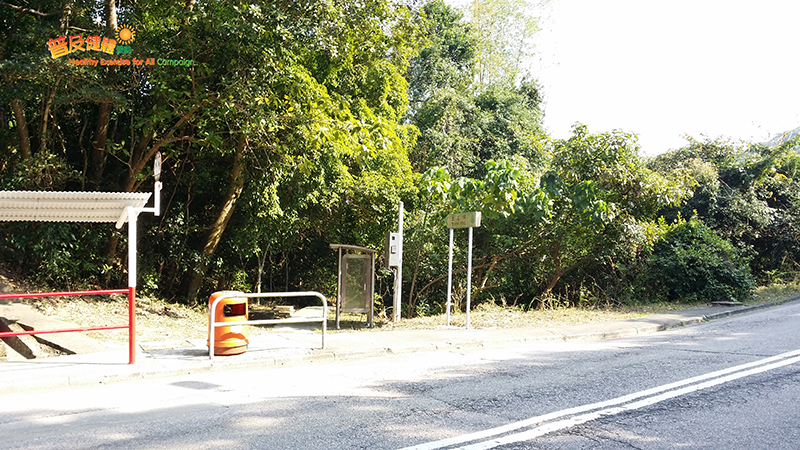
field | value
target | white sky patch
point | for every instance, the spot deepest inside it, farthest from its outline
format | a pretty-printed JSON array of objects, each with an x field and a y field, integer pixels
[{"x": 716, "y": 68}]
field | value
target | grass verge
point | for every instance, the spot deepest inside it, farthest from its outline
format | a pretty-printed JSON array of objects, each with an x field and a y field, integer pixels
[{"x": 161, "y": 321}]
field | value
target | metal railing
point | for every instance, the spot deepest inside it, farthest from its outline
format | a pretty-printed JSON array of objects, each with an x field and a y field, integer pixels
[
  {"x": 213, "y": 307},
  {"x": 131, "y": 326}
]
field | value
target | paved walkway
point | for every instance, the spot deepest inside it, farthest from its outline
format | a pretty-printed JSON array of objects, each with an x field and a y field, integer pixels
[{"x": 294, "y": 347}]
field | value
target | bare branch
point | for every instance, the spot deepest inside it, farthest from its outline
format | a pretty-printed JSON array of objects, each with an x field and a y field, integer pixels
[{"x": 24, "y": 9}]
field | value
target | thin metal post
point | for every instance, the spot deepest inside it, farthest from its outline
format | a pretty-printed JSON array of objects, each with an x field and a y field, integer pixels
[
  {"x": 340, "y": 279},
  {"x": 469, "y": 275},
  {"x": 372, "y": 291},
  {"x": 450, "y": 277},
  {"x": 131, "y": 325},
  {"x": 398, "y": 281},
  {"x": 132, "y": 216},
  {"x": 157, "y": 199}
]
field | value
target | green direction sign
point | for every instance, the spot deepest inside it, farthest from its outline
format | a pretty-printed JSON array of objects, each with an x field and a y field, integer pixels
[{"x": 464, "y": 220}]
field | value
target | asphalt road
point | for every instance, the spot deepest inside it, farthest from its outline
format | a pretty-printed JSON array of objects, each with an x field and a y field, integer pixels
[{"x": 732, "y": 383}]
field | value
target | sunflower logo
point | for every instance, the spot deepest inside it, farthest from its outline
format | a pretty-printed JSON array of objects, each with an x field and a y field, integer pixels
[{"x": 125, "y": 34}]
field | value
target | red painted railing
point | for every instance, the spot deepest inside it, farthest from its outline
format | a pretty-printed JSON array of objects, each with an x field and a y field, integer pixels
[{"x": 131, "y": 327}]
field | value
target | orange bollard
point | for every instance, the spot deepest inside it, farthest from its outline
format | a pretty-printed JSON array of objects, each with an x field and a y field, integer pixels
[{"x": 233, "y": 339}]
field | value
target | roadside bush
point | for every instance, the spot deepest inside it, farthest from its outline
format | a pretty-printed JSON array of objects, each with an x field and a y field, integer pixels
[
  {"x": 57, "y": 256},
  {"x": 694, "y": 263}
]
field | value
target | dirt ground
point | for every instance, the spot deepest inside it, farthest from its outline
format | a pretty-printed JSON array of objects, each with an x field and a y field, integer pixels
[{"x": 157, "y": 320}]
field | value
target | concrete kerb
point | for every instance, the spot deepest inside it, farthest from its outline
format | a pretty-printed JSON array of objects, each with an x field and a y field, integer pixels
[{"x": 77, "y": 370}]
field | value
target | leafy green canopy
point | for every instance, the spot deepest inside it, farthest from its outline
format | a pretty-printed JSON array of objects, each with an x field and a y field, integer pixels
[
  {"x": 463, "y": 122},
  {"x": 303, "y": 123},
  {"x": 317, "y": 93},
  {"x": 595, "y": 207},
  {"x": 746, "y": 193},
  {"x": 284, "y": 130}
]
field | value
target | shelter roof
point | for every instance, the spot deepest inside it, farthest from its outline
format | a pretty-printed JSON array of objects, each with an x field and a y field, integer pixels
[{"x": 44, "y": 206}]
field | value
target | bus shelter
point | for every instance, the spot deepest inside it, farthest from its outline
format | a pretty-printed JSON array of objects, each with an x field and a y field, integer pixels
[{"x": 114, "y": 207}]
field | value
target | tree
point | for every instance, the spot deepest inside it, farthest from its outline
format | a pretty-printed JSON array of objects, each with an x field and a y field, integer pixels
[
  {"x": 504, "y": 29},
  {"x": 463, "y": 124},
  {"x": 746, "y": 194},
  {"x": 602, "y": 205},
  {"x": 324, "y": 109},
  {"x": 303, "y": 97},
  {"x": 441, "y": 91},
  {"x": 447, "y": 62},
  {"x": 496, "y": 196}
]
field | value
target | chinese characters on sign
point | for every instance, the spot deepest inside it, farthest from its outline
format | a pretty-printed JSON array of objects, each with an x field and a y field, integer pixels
[
  {"x": 60, "y": 47},
  {"x": 464, "y": 220}
]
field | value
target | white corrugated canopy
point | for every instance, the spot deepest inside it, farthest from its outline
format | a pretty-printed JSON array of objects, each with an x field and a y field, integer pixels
[{"x": 41, "y": 206}]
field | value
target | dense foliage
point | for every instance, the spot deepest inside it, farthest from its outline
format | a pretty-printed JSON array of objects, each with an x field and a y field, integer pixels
[
  {"x": 303, "y": 123},
  {"x": 692, "y": 262}
]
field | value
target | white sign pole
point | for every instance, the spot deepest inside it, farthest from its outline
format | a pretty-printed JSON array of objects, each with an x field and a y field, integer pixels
[
  {"x": 469, "y": 275},
  {"x": 398, "y": 280},
  {"x": 450, "y": 277}
]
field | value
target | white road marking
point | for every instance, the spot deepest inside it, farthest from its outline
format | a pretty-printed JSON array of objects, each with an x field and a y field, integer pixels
[{"x": 586, "y": 413}]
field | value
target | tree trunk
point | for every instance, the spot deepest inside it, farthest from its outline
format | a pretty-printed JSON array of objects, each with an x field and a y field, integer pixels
[
  {"x": 85, "y": 157},
  {"x": 218, "y": 227},
  {"x": 189, "y": 7},
  {"x": 22, "y": 128},
  {"x": 559, "y": 271},
  {"x": 48, "y": 105},
  {"x": 444, "y": 277},
  {"x": 286, "y": 271},
  {"x": 111, "y": 15},
  {"x": 261, "y": 259},
  {"x": 99, "y": 148},
  {"x": 412, "y": 307},
  {"x": 141, "y": 154},
  {"x": 486, "y": 273},
  {"x": 552, "y": 284}
]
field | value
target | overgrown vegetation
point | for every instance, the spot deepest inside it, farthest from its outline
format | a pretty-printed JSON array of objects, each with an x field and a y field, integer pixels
[
  {"x": 692, "y": 262},
  {"x": 303, "y": 123}
]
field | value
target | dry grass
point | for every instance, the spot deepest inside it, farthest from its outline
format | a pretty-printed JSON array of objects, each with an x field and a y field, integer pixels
[
  {"x": 774, "y": 293},
  {"x": 155, "y": 320},
  {"x": 161, "y": 321},
  {"x": 492, "y": 316}
]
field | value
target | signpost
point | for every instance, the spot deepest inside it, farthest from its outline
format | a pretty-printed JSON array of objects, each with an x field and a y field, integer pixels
[
  {"x": 463, "y": 220},
  {"x": 157, "y": 167}
]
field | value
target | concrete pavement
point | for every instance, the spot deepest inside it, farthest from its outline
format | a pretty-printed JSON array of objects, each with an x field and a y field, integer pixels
[{"x": 284, "y": 347}]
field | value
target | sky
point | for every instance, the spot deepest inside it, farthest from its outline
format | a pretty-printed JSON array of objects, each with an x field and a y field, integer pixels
[{"x": 666, "y": 69}]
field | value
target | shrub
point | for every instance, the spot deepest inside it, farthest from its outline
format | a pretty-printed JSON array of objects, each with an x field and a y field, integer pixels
[{"x": 694, "y": 263}]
